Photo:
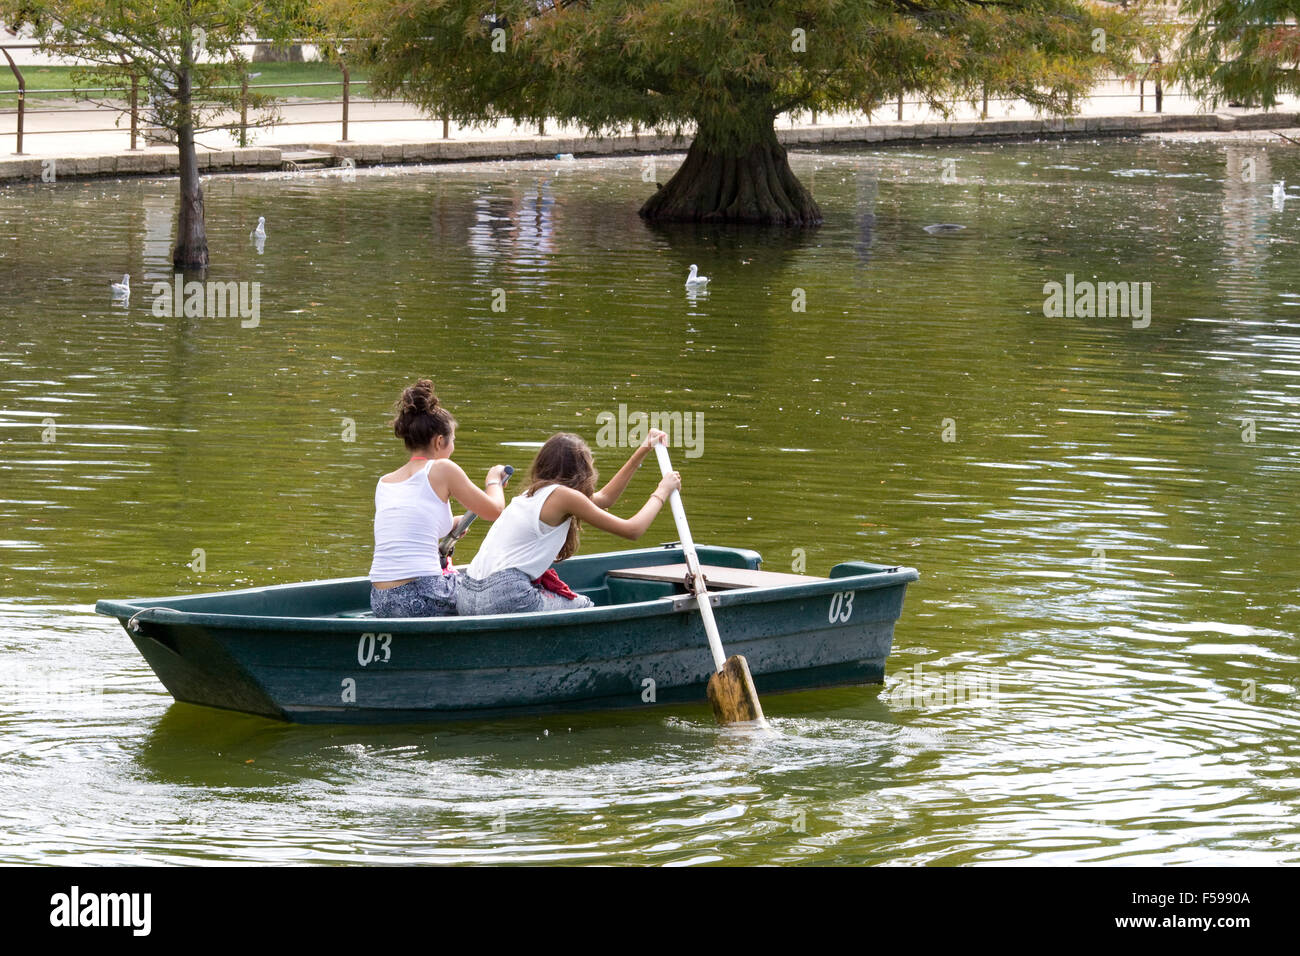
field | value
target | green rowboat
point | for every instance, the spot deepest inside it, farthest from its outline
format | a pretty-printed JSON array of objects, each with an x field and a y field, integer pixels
[{"x": 312, "y": 652}]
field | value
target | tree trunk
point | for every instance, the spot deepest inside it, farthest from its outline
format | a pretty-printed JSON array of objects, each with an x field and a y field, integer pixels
[
  {"x": 749, "y": 182},
  {"x": 191, "y": 250}
]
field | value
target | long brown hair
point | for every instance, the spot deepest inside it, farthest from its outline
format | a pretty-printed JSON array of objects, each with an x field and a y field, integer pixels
[
  {"x": 565, "y": 460},
  {"x": 419, "y": 418}
]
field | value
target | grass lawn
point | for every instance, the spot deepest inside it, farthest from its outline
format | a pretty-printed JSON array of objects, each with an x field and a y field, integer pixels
[{"x": 40, "y": 78}]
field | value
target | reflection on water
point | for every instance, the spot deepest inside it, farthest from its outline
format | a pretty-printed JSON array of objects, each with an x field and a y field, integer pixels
[{"x": 1103, "y": 515}]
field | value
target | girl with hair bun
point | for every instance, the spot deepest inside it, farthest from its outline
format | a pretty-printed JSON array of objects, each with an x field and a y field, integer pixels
[
  {"x": 413, "y": 510},
  {"x": 512, "y": 570}
]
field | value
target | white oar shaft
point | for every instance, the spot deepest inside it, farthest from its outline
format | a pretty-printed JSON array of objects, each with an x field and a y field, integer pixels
[{"x": 693, "y": 564}]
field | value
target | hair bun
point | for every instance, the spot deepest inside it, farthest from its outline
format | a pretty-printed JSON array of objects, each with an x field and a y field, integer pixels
[
  {"x": 420, "y": 417},
  {"x": 425, "y": 399}
]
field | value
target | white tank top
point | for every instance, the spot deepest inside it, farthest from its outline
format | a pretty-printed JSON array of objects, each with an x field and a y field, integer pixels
[
  {"x": 409, "y": 520},
  {"x": 520, "y": 539}
]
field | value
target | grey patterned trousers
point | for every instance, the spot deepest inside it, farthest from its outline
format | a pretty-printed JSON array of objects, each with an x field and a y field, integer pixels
[
  {"x": 433, "y": 595},
  {"x": 509, "y": 592}
]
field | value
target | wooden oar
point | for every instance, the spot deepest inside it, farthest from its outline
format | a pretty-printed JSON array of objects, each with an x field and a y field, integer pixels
[
  {"x": 448, "y": 544},
  {"x": 731, "y": 688}
]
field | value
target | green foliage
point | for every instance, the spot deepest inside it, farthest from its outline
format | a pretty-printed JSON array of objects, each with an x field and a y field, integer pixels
[
  {"x": 182, "y": 51},
  {"x": 1244, "y": 51},
  {"x": 727, "y": 66}
]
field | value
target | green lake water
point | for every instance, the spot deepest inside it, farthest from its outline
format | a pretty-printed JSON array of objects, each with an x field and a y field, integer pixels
[{"x": 1103, "y": 515}]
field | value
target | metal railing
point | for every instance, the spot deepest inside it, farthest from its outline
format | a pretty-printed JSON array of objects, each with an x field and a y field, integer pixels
[
  {"x": 133, "y": 106},
  {"x": 240, "y": 124}
]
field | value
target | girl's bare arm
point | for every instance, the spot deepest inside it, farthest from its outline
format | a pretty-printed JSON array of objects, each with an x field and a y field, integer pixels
[
  {"x": 487, "y": 503},
  {"x": 608, "y": 495},
  {"x": 564, "y": 502}
]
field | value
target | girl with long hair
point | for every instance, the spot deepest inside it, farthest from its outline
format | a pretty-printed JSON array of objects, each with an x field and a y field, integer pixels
[{"x": 512, "y": 570}]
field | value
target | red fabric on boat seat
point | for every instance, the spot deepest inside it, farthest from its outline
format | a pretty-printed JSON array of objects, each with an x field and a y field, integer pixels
[{"x": 551, "y": 582}]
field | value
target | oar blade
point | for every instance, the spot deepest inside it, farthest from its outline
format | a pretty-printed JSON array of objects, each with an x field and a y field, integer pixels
[{"x": 732, "y": 693}]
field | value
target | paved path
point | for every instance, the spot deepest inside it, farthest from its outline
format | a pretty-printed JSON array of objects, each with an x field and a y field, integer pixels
[{"x": 397, "y": 133}]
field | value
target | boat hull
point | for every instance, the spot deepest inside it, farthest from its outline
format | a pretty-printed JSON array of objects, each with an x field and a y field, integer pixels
[{"x": 335, "y": 667}]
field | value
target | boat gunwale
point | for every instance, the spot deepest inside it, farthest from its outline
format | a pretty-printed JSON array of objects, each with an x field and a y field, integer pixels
[{"x": 453, "y": 624}]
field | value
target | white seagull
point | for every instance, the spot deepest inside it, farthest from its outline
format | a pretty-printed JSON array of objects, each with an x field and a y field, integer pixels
[
  {"x": 260, "y": 231},
  {"x": 122, "y": 288},
  {"x": 695, "y": 280},
  {"x": 1279, "y": 194}
]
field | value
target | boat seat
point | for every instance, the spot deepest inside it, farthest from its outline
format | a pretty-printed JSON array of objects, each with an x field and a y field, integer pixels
[{"x": 716, "y": 577}]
